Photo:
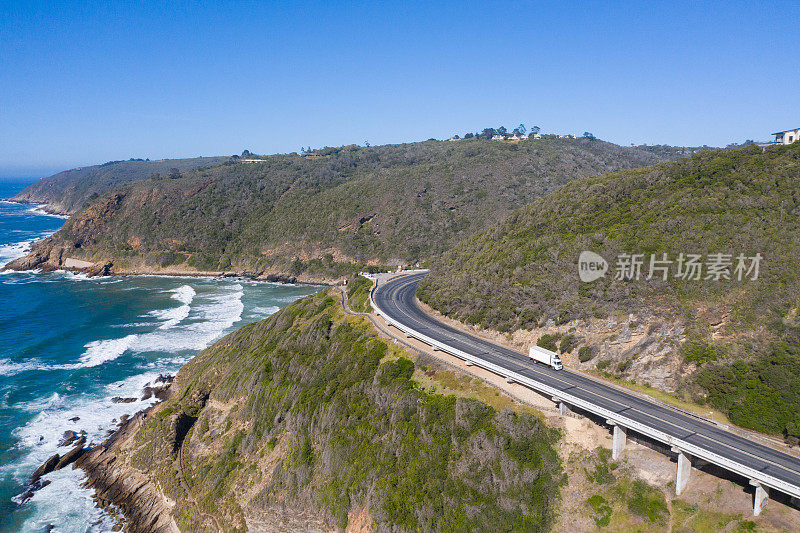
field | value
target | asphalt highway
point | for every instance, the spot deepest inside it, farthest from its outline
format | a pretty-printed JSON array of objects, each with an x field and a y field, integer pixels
[{"x": 397, "y": 299}]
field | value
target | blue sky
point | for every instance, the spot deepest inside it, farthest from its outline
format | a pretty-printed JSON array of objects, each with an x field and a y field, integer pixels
[{"x": 84, "y": 84}]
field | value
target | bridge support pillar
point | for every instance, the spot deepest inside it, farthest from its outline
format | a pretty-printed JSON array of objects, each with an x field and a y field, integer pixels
[
  {"x": 684, "y": 470},
  {"x": 562, "y": 407},
  {"x": 760, "y": 498},
  {"x": 619, "y": 441}
]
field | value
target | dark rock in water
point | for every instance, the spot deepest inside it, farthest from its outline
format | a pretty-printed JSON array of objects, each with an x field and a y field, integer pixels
[
  {"x": 72, "y": 455},
  {"x": 68, "y": 438},
  {"x": 162, "y": 393},
  {"x": 20, "y": 499},
  {"x": 74, "y": 419},
  {"x": 159, "y": 391},
  {"x": 123, "y": 419},
  {"x": 281, "y": 278},
  {"x": 119, "y": 399},
  {"x": 47, "y": 467},
  {"x": 164, "y": 378},
  {"x": 82, "y": 432}
]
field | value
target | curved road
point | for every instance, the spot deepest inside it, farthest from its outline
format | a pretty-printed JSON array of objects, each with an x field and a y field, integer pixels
[{"x": 397, "y": 299}]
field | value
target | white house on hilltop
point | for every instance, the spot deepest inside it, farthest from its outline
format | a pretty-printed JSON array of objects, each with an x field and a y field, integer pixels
[{"x": 787, "y": 137}]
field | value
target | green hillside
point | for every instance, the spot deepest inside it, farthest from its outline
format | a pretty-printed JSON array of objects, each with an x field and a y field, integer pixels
[
  {"x": 309, "y": 413},
  {"x": 743, "y": 335},
  {"x": 386, "y": 204},
  {"x": 68, "y": 191}
]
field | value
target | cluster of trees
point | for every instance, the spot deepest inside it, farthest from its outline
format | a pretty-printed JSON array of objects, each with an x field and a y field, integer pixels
[
  {"x": 123, "y": 160},
  {"x": 761, "y": 393},
  {"x": 488, "y": 133}
]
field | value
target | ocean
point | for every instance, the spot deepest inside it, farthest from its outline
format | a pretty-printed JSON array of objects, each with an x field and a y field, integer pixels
[{"x": 69, "y": 344}]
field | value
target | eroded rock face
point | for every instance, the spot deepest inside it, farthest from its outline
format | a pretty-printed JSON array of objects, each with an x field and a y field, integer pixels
[
  {"x": 280, "y": 278},
  {"x": 72, "y": 455},
  {"x": 125, "y": 487},
  {"x": 51, "y": 253},
  {"x": 68, "y": 438},
  {"x": 47, "y": 467}
]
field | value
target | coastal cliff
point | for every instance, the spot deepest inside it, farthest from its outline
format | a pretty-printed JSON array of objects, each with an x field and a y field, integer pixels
[{"x": 309, "y": 419}]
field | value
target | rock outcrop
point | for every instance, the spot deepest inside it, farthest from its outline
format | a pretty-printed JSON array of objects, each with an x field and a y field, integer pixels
[
  {"x": 47, "y": 467},
  {"x": 124, "y": 487}
]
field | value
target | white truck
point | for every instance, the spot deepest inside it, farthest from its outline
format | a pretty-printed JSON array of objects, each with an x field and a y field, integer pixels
[{"x": 543, "y": 355}]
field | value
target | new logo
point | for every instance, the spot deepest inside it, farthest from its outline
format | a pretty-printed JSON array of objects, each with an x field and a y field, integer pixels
[{"x": 591, "y": 266}]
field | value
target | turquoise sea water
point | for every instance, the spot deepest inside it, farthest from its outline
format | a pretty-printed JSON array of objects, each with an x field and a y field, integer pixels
[{"x": 68, "y": 344}]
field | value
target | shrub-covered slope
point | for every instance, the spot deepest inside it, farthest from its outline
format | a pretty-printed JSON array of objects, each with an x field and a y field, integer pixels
[
  {"x": 384, "y": 204},
  {"x": 309, "y": 417},
  {"x": 68, "y": 191},
  {"x": 523, "y": 272}
]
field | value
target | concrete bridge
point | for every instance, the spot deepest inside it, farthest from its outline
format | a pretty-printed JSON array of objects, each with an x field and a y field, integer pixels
[{"x": 692, "y": 439}]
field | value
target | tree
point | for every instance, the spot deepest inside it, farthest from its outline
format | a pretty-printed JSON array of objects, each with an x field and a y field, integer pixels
[
  {"x": 588, "y": 135},
  {"x": 487, "y": 133},
  {"x": 522, "y": 129},
  {"x": 174, "y": 173},
  {"x": 535, "y": 130},
  {"x": 246, "y": 153},
  {"x": 502, "y": 130},
  {"x": 468, "y": 135}
]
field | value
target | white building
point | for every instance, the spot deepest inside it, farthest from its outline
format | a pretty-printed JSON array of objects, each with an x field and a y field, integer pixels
[
  {"x": 498, "y": 138},
  {"x": 787, "y": 137}
]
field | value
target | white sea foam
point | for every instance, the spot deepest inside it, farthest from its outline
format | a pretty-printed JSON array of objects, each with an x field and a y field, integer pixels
[
  {"x": 99, "y": 352},
  {"x": 9, "y": 252},
  {"x": 213, "y": 318},
  {"x": 11, "y": 368},
  {"x": 15, "y": 250},
  {"x": 68, "y": 506},
  {"x": 175, "y": 315},
  {"x": 264, "y": 311},
  {"x": 184, "y": 294},
  {"x": 39, "y": 210}
]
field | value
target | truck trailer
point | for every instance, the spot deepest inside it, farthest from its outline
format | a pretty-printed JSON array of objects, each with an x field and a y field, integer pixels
[{"x": 542, "y": 355}]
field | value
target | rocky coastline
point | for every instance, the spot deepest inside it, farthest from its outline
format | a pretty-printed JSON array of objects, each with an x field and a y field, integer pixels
[
  {"x": 49, "y": 208},
  {"x": 123, "y": 491},
  {"x": 44, "y": 256}
]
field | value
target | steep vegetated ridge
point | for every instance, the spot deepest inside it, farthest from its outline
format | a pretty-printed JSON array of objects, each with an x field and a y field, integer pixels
[
  {"x": 67, "y": 192},
  {"x": 309, "y": 419},
  {"x": 731, "y": 343},
  {"x": 291, "y": 214}
]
